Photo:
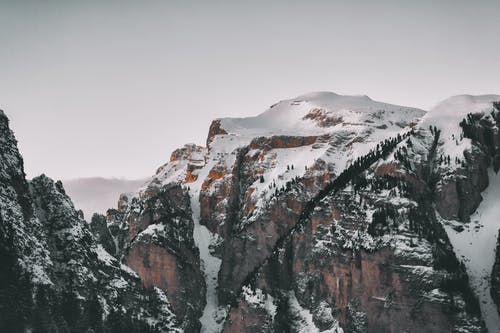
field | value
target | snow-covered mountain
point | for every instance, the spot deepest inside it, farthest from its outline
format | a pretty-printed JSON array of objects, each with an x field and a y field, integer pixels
[{"x": 325, "y": 213}]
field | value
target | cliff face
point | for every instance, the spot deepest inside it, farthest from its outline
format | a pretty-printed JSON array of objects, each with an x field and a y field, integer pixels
[
  {"x": 161, "y": 250},
  {"x": 326, "y": 213}
]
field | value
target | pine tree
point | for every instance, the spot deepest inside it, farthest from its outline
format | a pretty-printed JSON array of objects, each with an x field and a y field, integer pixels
[{"x": 93, "y": 313}]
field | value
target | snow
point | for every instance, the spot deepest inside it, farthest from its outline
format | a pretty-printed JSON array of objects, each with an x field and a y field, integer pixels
[
  {"x": 260, "y": 299},
  {"x": 152, "y": 229},
  {"x": 175, "y": 170},
  {"x": 104, "y": 256},
  {"x": 128, "y": 270},
  {"x": 447, "y": 116},
  {"x": 119, "y": 283},
  {"x": 213, "y": 316},
  {"x": 476, "y": 246},
  {"x": 305, "y": 323},
  {"x": 168, "y": 321},
  {"x": 39, "y": 275}
]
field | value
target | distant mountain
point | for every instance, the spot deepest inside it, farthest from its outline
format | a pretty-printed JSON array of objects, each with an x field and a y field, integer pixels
[{"x": 97, "y": 194}]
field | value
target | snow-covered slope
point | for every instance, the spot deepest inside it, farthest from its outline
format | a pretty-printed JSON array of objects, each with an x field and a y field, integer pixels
[
  {"x": 448, "y": 114},
  {"x": 319, "y": 113}
]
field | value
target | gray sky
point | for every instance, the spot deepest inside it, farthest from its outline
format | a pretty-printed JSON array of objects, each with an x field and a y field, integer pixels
[{"x": 110, "y": 88}]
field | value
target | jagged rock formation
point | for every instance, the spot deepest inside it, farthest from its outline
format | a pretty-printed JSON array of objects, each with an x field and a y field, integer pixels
[
  {"x": 56, "y": 277},
  {"x": 326, "y": 213},
  {"x": 161, "y": 249}
]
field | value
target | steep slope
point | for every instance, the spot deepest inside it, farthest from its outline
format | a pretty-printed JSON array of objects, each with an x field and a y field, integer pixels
[{"x": 57, "y": 278}]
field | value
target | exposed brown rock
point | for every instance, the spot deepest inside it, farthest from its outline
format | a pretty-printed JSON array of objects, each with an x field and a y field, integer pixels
[
  {"x": 282, "y": 141},
  {"x": 390, "y": 169},
  {"x": 156, "y": 267},
  {"x": 244, "y": 318},
  {"x": 322, "y": 118},
  {"x": 190, "y": 178}
]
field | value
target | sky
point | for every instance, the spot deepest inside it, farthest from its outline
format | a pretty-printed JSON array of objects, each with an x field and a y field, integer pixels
[{"x": 111, "y": 88}]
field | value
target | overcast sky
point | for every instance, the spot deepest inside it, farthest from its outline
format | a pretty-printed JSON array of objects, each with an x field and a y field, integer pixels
[{"x": 110, "y": 88}]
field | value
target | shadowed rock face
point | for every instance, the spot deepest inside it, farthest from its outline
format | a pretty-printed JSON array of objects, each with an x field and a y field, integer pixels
[{"x": 495, "y": 276}]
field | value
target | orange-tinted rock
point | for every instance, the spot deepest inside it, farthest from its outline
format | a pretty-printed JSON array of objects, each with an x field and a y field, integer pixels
[
  {"x": 216, "y": 174},
  {"x": 282, "y": 141},
  {"x": 156, "y": 268},
  {"x": 190, "y": 178},
  {"x": 390, "y": 169},
  {"x": 215, "y": 129},
  {"x": 185, "y": 153},
  {"x": 322, "y": 118},
  {"x": 136, "y": 224},
  {"x": 246, "y": 319}
]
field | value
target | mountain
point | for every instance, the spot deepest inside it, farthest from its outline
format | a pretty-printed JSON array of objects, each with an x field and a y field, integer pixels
[
  {"x": 97, "y": 194},
  {"x": 325, "y": 213}
]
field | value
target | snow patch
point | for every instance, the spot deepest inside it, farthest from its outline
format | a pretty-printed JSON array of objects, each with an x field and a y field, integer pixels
[
  {"x": 213, "y": 316},
  {"x": 260, "y": 299},
  {"x": 104, "y": 256},
  {"x": 448, "y": 114},
  {"x": 304, "y": 322}
]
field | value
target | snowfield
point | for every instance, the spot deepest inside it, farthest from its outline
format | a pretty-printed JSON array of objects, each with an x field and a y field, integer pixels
[{"x": 213, "y": 316}]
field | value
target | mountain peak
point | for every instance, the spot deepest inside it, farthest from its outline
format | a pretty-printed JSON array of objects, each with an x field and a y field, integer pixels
[{"x": 315, "y": 113}]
